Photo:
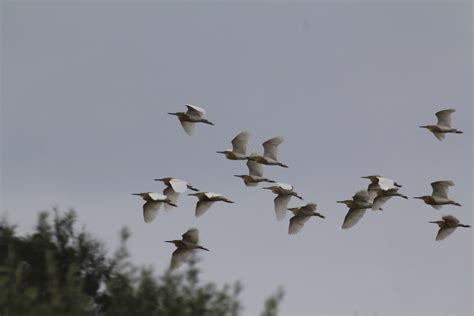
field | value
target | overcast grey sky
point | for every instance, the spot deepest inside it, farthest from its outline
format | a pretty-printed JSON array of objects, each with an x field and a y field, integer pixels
[{"x": 87, "y": 85}]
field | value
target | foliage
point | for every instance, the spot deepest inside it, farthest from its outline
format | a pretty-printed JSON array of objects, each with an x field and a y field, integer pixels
[{"x": 59, "y": 271}]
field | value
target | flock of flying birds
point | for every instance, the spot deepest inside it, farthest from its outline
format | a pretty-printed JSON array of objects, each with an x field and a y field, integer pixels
[{"x": 378, "y": 192}]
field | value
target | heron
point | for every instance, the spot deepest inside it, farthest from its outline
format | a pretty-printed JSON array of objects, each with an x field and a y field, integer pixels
[
  {"x": 239, "y": 147},
  {"x": 153, "y": 202},
  {"x": 383, "y": 196},
  {"x": 300, "y": 216},
  {"x": 357, "y": 206},
  {"x": 270, "y": 152},
  {"x": 188, "y": 243},
  {"x": 447, "y": 225},
  {"x": 439, "y": 197},
  {"x": 206, "y": 200},
  {"x": 193, "y": 115},
  {"x": 255, "y": 173},
  {"x": 378, "y": 183},
  {"x": 284, "y": 193},
  {"x": 174, "y": 187},
  {"x": 444, "y": 124}
]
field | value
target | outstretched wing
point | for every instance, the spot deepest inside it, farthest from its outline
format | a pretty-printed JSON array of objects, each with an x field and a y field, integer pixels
[
  {"x": 281, "y": 203},
  {"x": 297, "y": 223},
  {"x": 178, "y": 185},
  {"x": 441, "y": 188},
  {"x": 202, "y": 207},
  {"x": 439, "y": 136},
  {"x": 450, "y": 220},
  {"x": 361, "y": 196},
  {"x": 150, "y": 210},
  {"x": 172, "y": 196},
  {"x": 188, "y": 127},
  {"x": 352, "y": 217},
  {"x": 195, "y": 111},
  {"x": 179, "y": 256},
  {"x": 255, "y": 169},
  {"x": 379, "y": 201},
  {"x": 191, "y": 236},
  {"x": 444, "y": 232},
  {"x": 444, "y": 117},
  {"x": 239, "y": 143},
  {"x": 270, "y": 147}
]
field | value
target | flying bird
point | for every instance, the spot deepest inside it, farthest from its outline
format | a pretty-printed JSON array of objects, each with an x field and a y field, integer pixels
[
  {"x": 300, "y": 216},
  {"x": 439, "y": 197},
  {"x": 206, "y": 199},
  {"x": 270, "y": 152},
  {"x": 444, "y": 124},
  {"x": 284, "y": 193},
  {"x": 255, "y": 173},
  {"x": 357, "y": 206},
  {"x": 239, "y": 147},
  {"x": 153, "y": 202},
  {"x": 174, "y": 187},
  {"x": 184, "y": 247},
  {"x": 447, "y": 225},
  {"x": 193, "y": 115},
  {"x": 378, "y": 183},
  {"x": 383, "y": 196}
]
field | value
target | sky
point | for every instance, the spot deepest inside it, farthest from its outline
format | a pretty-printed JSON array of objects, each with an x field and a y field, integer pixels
[{"x": 87, "y": 85}]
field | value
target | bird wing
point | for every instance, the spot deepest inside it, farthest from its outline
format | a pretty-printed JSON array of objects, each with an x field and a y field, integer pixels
[
  {"x": 309, "y": 208},
  {"x": 297, "y": 223},
  {"x": 239, "y": 143},
  {"x": 178, "y": 185},
  {"x": 270, "y": 147},
  {"x": 450, "y": 221},
  {"x": 255, "y": 169},
  {"x": 285, "y": 186},
  {"x": 386, "y": 183},
  {"x": 195, "y": 111},
  {"x": 172, "y": 196},
  {"x": 444, "y": 232},
  {"x": 353, "y": 217},
  {"x": 191, "y": 236},
  {"x": 444, "y": 117},
  {"x": 441, "y": 188},
  {"x": 379, "y": 201},
  {"x": 156, "y": 196},
  {"x": 202, "y": 207},
  {"x": 439, "y": 136},
  {"x": 188, "y": 127},
  {"x": 361, "y": 196},
  {"x": 281, "y": 204},
  {"x": 179, "y": 256},
  {"x": 150, "y": 210}
]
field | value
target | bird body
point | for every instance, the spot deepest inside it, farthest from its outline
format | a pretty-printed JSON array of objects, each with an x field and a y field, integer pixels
[
  {"x": 270, "y": 153},
  {"x": 357, "y": 208},
  {"x": 383, "y": 196},
  {"x": 239, "y": 147},
  {"x": 447, "y": 225},
  {"x": 206, "y": 200},
  {"x": 174, "y": 187},
  {"x": 193, "y": 115},
  {"x": 284, "y": 193},
  {"x": 439, "y": 197},
  {"x": 443, "y": 125},
  {"x": 185, "y": 246},
  {"x": 378, "y": 183},
  {"x": 300, "y": 216},
  {"x": 153, "y": 202}
]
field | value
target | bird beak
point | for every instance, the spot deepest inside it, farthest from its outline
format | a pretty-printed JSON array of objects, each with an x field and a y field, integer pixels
[
  {"x": 205, "y": 249},
  {"x": 397, "y": 185},
  {"x": 267, "y": 188},
  {"x": 193, "y": 189},
  {"x": 158, "y": 179},
  {"x": 366, "y": 177},
  {"x": 220, "y": 152},
  {"x": 172, "y": 204},
  {"x": 170, "y": 241},
  {"x": 340, "y": 201},
  {"x": 172, "y": 113},
  {"x": 434, "y": 222},
  {"x": 418, "y": 197},
  {"x": 136, "y": 194},
  {"x": 192, "y": 194},
  {"x": 424, "y": 126}
]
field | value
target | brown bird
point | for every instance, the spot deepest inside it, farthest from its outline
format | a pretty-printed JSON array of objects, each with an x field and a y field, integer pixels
[
  {"x": 206, "y": 199},
  {"x": 444, "y": 124},
  {"x": 188, "y": 243},
  {"x": 447, "y": 225},
  {"x": 300, "y": 216},
  {"x": 153, "y": 202},
  {"x": 357, "y": 207},
  {"x": 439, "y": 197},
  {"x": 193, "y": 115}
]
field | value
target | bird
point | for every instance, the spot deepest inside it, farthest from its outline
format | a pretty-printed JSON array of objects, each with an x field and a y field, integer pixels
[
  {"x": 439, "y": 197},
  {"x": 378, "y": 183},
  {"x": 444, "y": 124},
  {"x": 184, "y": 247},
  {"x": 357, "y": 207},
  {"x": 174, "y": 187},
  {"x": 193, "y": 115},
  {"x": 447, "y": 225},
  {"x": 153, "y": 202},
  {"x": 239, "y": 147},
  {"x": 383, "y": 196},
  {"x": 300, "y": 216},
  {"x": 255, "y": 173},
  {"x": 284, "y": 193},
  {"x": 270, "y": 152},
  {"x": 206, "y": 199}
]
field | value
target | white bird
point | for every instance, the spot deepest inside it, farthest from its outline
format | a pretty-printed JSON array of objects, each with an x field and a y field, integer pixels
[
  {"x": 383, "y": 196},
  {"x": 239, "y": 147},
  {"x": 153, "y": 202},
  {"x": 255, "y": 173},
  {"x": 444, "y": 124},
  {"x": 357, "y": 207},
  {"x": 378, "y": 183},
  {"x": 206, "y": 199},
  {"x": 193, "y": 115},
  {"x": 447, "y": 225},
  {"x": 270, "y": 152},
  {"x": 300, "y": 216},
  {"x": 439, "y": 197},
  {"x": 284, "y": 193},
  {"x": 174, "y": 187},
  {"x": 187, "y": 245}
]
